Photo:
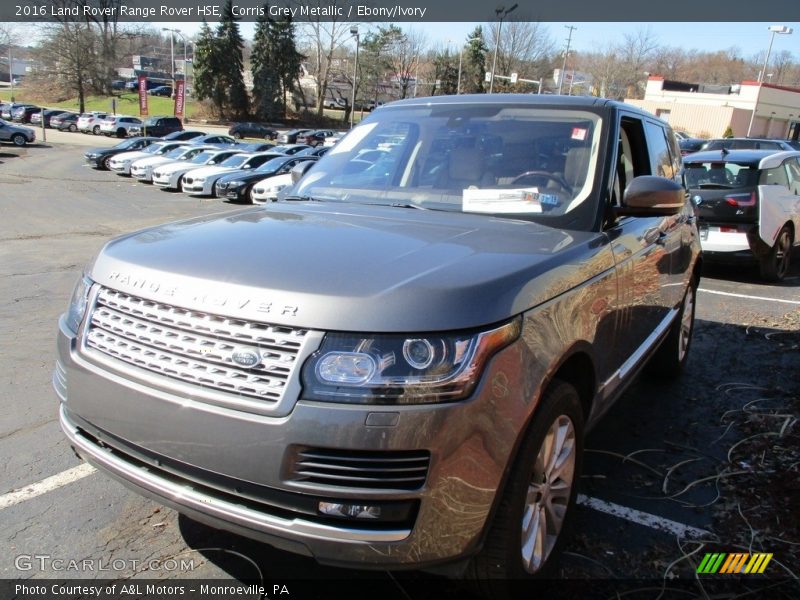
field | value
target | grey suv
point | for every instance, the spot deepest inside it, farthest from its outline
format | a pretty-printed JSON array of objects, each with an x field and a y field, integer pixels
[
  {"x": 395, "y": 365},
  {"x": 17, "y": 135}
]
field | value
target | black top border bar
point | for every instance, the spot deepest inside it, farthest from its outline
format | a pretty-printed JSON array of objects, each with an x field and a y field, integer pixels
[{"x": 403, "y": 11}]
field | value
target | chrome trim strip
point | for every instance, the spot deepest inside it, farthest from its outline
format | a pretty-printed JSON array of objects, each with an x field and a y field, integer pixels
[{"x": 184, "y": 495}]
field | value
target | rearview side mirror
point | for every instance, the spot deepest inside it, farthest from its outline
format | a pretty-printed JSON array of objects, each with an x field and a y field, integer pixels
[
  {"x": 299, "y": 170},
  {"x": 651, "y": 196}
]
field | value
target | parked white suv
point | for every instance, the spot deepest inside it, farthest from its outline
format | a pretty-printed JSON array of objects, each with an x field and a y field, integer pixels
[
  {"x": 119, "y": 125},
  {"x": 90, "y": 122}
]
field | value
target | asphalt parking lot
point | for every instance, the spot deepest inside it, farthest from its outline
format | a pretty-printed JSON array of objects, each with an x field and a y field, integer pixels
[{"x": 706, "y": 463}]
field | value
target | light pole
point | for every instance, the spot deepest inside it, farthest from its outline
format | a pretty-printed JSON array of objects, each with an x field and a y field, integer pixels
[
  {"x": 566, "y": 53},
  {"x": 354, "y": 33},
  {"x": 783, "y": 30},
  {"x": 460, "y": 60},
  {"x": 172, "y": 53},
  {"x": 501, "y": 13}
]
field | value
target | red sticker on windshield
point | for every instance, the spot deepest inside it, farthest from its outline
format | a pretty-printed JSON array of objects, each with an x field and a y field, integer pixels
[{"x": 578, "y": 133}]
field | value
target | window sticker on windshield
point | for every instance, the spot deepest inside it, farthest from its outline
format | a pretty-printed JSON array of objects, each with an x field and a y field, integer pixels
[
  {"x": 579, "y": 133},
  {"x": 523, "y": 200}
]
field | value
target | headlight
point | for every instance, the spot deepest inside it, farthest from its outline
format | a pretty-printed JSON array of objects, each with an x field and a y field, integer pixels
[
  {"x": 234, "y": 184},
  {"x": 277, "y": 188},
  {"x": 401, "y": 369},
  {"x": 77, "y": 305},
  {"x": 199, "y": 179}
]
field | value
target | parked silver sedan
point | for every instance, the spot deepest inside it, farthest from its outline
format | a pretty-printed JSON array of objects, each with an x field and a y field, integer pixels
[{"x": 17, "y": 135}]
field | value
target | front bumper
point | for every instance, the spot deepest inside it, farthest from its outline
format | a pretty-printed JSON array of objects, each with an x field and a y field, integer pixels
[{"x": 469, "y": 444}]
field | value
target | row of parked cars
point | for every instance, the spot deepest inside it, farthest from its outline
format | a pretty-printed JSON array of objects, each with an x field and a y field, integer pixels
[{"x": 211, "y": 165}]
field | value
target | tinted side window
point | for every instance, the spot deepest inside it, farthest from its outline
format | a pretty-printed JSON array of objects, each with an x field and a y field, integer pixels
[
  {"x": 793, "y": 170},
  {"x": 660, "y": 159}
]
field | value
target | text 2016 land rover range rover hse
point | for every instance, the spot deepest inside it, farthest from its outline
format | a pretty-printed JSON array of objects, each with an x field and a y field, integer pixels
[{"x": 396, "y": 365}]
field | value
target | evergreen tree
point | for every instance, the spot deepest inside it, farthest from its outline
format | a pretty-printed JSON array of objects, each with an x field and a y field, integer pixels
[
  {"x": 229, "y": 44},
  {"x": 474, "y": 67},
  {"x": 207, "y": 67},
  {"x": 267, "y": 95},
  {"x": 287, "y": 58}
]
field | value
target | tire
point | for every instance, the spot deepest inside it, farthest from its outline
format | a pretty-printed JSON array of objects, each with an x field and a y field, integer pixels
[
  {"x": 18, "y": 139},
  {"x": 775, "y": 264},
  {"x": 96, "y": 130},
  {"x": 106, "y": 163},
  {"x": 121, "y": 133},
  {"x": 671, "y": 356},
  {"x": 73, "y": 128},
  {"x": 237, "y": 135},
  {"x": 517, "y": 546}
]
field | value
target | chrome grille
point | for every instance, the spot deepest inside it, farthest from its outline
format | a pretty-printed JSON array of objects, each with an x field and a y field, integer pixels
[
  {"x": 380, "y": 470},
  {"x": 193, "y": 346}
]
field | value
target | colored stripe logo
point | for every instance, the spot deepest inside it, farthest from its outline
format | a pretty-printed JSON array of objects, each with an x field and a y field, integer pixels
[{"x": 732, "y": 563}]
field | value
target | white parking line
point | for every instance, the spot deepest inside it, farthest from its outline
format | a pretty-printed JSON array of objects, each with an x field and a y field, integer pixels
[
  {"x": 46, "y": 485},
  {"x": 642, "y": 518},
  {"x": 749, "y": 297}
]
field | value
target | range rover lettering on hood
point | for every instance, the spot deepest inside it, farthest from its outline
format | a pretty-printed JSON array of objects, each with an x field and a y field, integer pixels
[{"x": 261, "y": 305}]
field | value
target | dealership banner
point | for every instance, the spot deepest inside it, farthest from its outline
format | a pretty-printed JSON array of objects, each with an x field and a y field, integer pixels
[
  {"x": 180, "y": 97},
  {"x": 408, "y": 11},
  {"x": 142, "y": 95}
]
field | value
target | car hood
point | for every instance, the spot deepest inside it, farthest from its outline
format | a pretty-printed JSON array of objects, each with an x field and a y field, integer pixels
[
  {"x": 242, "y": 175},
  {"x": 208, "y": 171},
  {"x": 283, "y": 179},
  {"x": 177, "y": 166},
  {"x": 152, "y": 160},
  {"x": 354, "y": 268},
  {"x": 123, "y": 156}
]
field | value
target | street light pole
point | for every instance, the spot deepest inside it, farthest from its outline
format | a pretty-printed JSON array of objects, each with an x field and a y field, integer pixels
[
  {"x": 783, "y": 30},
  {"x": 354, "y": 33},
  {"x": 172, "y": 53},
  {"x": 564, "y": 63},
  {"x": 501, "y": 13}
]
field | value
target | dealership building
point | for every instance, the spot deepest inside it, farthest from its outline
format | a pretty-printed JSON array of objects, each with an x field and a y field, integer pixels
[{"x": 750, "y": 109}]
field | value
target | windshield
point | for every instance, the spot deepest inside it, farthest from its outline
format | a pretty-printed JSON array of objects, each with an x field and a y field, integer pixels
[
  {"x": 273, "y": 164},
  {"x": 153, "y": 148},
  {"x": 511, "y": 160},
  {"x": 234, "y": 161},
  {"x": 176, "y": 153},
  {"x": 131, "y": 143},
  {"x": 715, "y": 174},
  {"x": 202, "y": 157}
]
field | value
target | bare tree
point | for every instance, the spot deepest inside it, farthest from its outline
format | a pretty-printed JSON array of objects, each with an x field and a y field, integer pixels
[
  {"x": 325, "y": 39},
  {"x": 525, "y": 48}
]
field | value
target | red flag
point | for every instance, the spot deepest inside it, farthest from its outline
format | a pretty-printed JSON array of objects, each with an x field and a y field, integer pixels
[
  {"x": 142, "y": 95},
  {"x": 180, "y": 97}
]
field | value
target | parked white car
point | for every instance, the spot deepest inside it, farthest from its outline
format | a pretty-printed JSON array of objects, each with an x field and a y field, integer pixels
[
  {"x": 332, "y": 140},
  {"x": 121, "y": 163},
  {"x": 267, "y": 189},
  {"x": 142, "y": 169},
  {"x": 200, "y": 182},
  {"x": 170, "y": 176},
  {"x": 119, "y": 125},
  {"x": 90, "y": 122}
]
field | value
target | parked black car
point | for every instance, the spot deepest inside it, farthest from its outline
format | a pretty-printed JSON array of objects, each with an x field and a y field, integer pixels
[
  {"x": 236, "y": 186},
  {"x": 689, "y": 145},
  {"x": 159, "y": 126},
  {"x": 65, "y": 122},
  {"x": 162, "y": 90},
  {"x": 290, "y": 137},
  {"x": 182, "y": 136},
  {"x": 99, "y": 157},
  {"x": 257, "y": 130},
  {"x": 256, "y": 147},
  {"x": 22, "y": 114}
]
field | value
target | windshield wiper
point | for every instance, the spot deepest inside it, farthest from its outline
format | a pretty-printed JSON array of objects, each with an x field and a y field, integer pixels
[
  {"x": 395, "y": 205},
  {"x": 302, "y": 199}
]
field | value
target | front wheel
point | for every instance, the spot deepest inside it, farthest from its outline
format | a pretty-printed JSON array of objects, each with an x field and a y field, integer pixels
[
  {"x": 528, "y": 530},
  {"x": 19, "y": 140},
  {"x": 96, "y": 130},
  {"x": 73, "y": 128},
  {"x": 775, "y": 264}
]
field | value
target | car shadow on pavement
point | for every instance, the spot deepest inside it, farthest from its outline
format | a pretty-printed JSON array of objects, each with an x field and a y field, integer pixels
[{"x": 747, "y": 272}]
